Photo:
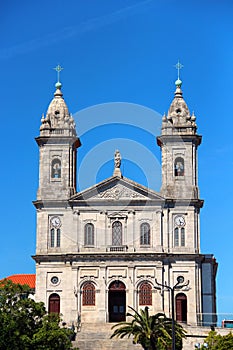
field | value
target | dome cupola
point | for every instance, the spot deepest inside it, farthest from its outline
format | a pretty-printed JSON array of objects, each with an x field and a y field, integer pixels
[
  {"x": 178, "y": 119},
  {"x": 58, "y": 120}
]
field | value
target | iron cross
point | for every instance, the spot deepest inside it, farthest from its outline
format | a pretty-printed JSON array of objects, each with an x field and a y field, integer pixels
[
  {"x": 58, "y": 69},
  {"x": 179, "y": 66}
]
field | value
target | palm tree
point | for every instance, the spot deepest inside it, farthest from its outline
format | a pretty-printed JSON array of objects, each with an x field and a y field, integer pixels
[
  {"x": 151, "y": 332},
  {"x": 161, "y": 335}
]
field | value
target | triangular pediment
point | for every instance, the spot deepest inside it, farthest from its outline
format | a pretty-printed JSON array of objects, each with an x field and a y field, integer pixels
[{"x": 117, "y": 189}]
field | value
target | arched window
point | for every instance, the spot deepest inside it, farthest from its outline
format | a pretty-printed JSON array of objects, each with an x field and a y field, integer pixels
[
  {"x": 117, "y": 233},
  {"x": 55, "y": 237},
  {"x": 145, "y": 294},
  {"x": 89, "y": 234},
  {"x": 182, "y": 236},
  {"x": 176, "y": 237},
  {"x": 54, "y": 303},
  {"x": 145, "y": 234},
  {"x": 89, "y": 294},
  {"x": 52, "y": 237},
  {"x": 58, "y": 237},
  {"x": 181, "y": 307},
  {"x": 179, "y": 237},
  {"x": 56, "y": 168},
  {"x": 179, "y": 166}
]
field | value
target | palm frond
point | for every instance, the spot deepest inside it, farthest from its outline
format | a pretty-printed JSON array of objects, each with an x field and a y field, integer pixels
[{"x": 151, "y": 332}]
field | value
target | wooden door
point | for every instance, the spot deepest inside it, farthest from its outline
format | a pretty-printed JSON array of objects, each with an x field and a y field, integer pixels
[
  {"x": 117, "y": 302},
  {"x": 54, "y": 304},
  {"x": 181, "y": 308}
]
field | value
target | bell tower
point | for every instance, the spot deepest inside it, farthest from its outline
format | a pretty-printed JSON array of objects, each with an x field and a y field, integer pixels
[
  {"x": 58, "y": 143},
  {"x": 179, "y": 142}
]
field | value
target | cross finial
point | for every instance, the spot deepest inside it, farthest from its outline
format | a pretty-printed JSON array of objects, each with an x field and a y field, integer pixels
[
  {"x": 178, "y": 66},
  {"x": 58, "y": 69}
]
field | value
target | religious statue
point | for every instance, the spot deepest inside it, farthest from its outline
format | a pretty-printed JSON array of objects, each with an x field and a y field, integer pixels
[
  {"x": 179, "y": 168},
  {"x": 117, "y": 159}
]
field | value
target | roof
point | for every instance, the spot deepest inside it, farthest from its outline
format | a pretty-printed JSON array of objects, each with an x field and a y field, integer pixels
[{"x": 29, "y": 279}]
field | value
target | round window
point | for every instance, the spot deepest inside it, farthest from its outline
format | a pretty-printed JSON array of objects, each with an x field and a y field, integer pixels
[{"x": 54, "y": 280}]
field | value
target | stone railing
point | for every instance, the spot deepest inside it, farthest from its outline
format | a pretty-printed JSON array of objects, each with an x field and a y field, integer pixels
[{"x": 117, "y": 248}]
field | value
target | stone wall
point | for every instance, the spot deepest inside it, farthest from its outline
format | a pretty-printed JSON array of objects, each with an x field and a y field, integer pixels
[{"x": 198, "y": 335}]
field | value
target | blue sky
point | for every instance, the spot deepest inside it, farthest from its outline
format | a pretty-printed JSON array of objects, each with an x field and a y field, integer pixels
[{"x": 116, "y": 51}]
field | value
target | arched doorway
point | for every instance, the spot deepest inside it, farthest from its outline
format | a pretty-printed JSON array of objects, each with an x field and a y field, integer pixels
[
  {"x": 116, "y": 301},
  {"x": 54, "y": 303},
  {"x": 181, "y": 307}
]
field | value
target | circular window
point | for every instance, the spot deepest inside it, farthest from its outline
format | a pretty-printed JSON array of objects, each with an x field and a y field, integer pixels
[
  {"x": 180, "y": 279},
  {"x": 54, "y": 280}
]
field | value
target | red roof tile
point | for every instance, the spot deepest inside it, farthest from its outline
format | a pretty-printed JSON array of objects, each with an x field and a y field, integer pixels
[{"x": 29, "y": 279}]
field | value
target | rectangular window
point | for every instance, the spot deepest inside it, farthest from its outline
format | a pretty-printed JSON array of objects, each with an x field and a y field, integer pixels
[
  {"x": 121, "y": 309},
  {"x": 115, "y": 309}
]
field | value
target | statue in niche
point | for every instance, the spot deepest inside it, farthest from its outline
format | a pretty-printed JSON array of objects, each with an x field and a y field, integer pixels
[
  {"x": 56, "y": 169},
  {"x": 179, "y": 167}
]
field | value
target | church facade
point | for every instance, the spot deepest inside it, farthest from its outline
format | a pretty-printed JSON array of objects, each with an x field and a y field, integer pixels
[{"x": 118, "y": 243}]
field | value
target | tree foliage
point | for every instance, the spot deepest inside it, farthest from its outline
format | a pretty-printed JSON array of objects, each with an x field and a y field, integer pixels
[
  {"x": 218, "y": 342},
  {"x": 25, "y": 324},
  {"x": 151, "y": 332}
]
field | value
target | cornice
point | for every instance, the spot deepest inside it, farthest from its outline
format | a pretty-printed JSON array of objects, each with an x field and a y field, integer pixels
[{"x": 122, "y": 256}]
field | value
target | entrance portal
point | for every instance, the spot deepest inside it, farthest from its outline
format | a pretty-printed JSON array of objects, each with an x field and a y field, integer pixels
[
  {"x": 181, "y": 307},
  {"x": 116, "y": 301},
  {"x": 54, "y": 304}
]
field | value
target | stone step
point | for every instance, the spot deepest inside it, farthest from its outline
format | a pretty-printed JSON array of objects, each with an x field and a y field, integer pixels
[
  {"x": 107, "y": 344},
  {"x": 94, "y": 336},
  {"x": 102, "y": 327}
]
